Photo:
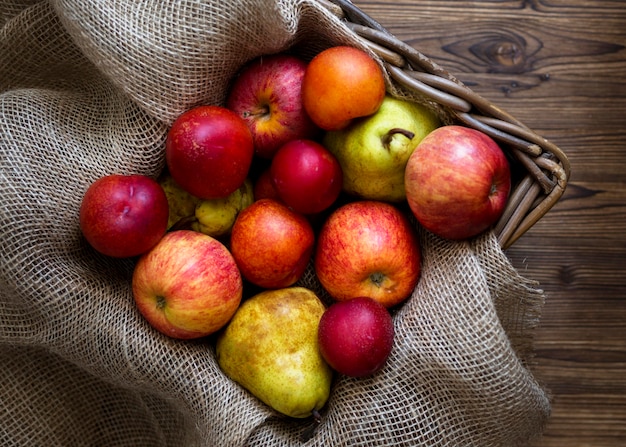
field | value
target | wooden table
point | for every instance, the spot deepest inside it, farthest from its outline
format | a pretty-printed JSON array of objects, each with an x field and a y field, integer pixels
[{"x": 560, "y": 67}]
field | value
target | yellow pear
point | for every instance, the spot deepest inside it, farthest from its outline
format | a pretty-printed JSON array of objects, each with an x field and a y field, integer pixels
[
  {"x": 270, "y": 348},
  {"x": 373, "y": 151},
  {"x": 182, "y": 205},
  {"x": 216, "y": 217}
]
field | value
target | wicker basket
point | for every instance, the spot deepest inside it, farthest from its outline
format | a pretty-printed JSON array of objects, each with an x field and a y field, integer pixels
[
  {"x": 81, "y": 365},
  {"x": 545, "y": 167}
]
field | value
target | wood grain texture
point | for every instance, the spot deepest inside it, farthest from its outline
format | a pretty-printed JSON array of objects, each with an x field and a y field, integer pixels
[{"x": 559, "y": 66}]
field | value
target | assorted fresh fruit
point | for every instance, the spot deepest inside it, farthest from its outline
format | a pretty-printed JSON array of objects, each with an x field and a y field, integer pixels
[{"x": 307, "y": 167}]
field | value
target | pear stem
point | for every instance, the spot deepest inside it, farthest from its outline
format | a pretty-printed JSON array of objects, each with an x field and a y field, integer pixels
[
  {"x": 317, "y": 417},
  {"x": 396, "y": 130},
  {"x": 310, "y": 430}
]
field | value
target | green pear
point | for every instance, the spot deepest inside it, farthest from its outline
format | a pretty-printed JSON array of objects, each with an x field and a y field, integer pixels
[
  {"x": 181, "y": 204},
  {"x": 216, "y": 217},
  {"x": 270, "y": 348},
  {"x": 373, "y": 152}
]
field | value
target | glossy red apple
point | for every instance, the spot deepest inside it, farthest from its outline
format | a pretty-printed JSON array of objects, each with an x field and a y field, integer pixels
[
  {"x": 209, "y": 150},
  {"x": 457, "y": 182},
  {"x": 355, "y": 337},
  {"x": 306, "y": 175},
  {"x": 267, "y": 94},
  {"x": 264, "y": 187},
  {"x": 123, "y": 215},
  {"x": 368, "y": 248},
  {"x": 188, "y": 286},
  {"x": 271, "y": 244}
]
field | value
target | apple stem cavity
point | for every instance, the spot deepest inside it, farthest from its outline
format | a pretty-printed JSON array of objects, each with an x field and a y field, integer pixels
[
  {"x": 160, "y": 302},
  {"x": 493, "y": 190},
  {"x": 262, "y": 111},
  {"x": 392, "y": 132},
  {"x": 377, "y": 278}
]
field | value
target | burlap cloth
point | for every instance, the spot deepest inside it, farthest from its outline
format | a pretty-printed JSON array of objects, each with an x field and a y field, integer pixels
[{"x": 89, "y": 88}]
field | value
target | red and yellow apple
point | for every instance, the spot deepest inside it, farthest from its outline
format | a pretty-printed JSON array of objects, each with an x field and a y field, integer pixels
[
  {"x": 124, "y": 215},
  {"x": 267, "y": 94},
  {"x": 306, "y": 175},
  {"x": 188, "y": 286},
  {"x": 271, "y": 244},
  {"x": 368, "y": 248},
  {"x": 457, "y": 182},
  {"x": 209, "y": 150},
  {"x": 340, "y": 84}
]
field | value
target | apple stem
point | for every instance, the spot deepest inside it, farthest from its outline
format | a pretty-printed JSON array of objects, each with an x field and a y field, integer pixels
[
  {"x": 396, "y": 130},
  {"x": 260, "y": 111}
]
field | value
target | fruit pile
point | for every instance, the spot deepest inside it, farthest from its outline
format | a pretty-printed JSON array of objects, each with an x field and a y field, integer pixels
[{"x": 306, "y": 165}]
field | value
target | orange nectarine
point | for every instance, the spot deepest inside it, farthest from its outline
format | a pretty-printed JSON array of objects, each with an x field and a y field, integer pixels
[{"x": 342, "y": 83}]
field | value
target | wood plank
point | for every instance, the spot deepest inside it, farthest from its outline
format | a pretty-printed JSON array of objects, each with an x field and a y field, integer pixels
[
  {"x": 580, "y": 208},
  {"x": 559, "y": 66}
]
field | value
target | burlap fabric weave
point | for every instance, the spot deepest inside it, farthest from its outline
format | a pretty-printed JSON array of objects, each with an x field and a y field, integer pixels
[{"x": 89, "y": 88}]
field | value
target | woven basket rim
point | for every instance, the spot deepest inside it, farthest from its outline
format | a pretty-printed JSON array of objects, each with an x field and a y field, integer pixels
[{"x": 547, "y": 166}]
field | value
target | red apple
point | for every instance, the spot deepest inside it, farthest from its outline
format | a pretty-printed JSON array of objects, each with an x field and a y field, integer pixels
[
  {"x": 267, "y": 94},
  {"x": 457, "y": 182},
  {"x": 368, "y": 248},
  {"x": 209, "y": 151},
  {"x": 306, "y": 175},
  {"x": 355, "y": 337},
  {"x": 340, "y": 84},
  {"x": 124, "y": 215},
  {"x": 188, "y": 286},
  {"x": 271, "y": 244},
  {"x": 264, "y": 187}
]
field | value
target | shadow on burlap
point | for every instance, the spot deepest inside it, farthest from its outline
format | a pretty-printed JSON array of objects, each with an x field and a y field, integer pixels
[{"x": 89, "y": 88}]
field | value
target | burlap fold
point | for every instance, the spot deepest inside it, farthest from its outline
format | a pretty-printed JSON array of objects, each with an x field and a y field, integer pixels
[{"x": 89, "y": 88}]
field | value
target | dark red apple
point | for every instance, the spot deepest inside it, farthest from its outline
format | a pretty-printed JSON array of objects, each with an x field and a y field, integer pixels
[
  {"x": 267, "y": 94},
  {"x": 306, "y": 175},
  {"x": 355, "y": 337},
  {"x": 209, "y": 151},
  {"x": 124, "y": 215},
  {"x": 264, "y": 187},
  {"x": 457, "y": 182}
]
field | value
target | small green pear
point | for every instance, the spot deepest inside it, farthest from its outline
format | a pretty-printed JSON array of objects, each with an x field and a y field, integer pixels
[
  {"x": 216, "y": 217},
  {"x": 182, "y": 205},
  {"x": 373, "y": 152},
  {"x": 270, "y": 348}
]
